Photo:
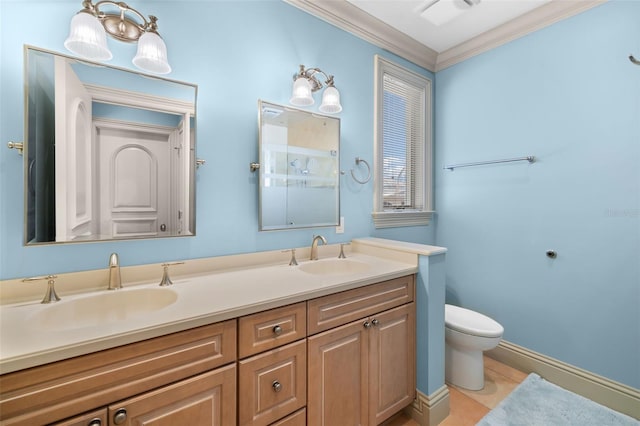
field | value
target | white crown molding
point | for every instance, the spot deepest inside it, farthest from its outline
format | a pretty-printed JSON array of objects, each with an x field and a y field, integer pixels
[
  {"x": 354, "y": 20},
  {"x": 534, "y": 20}
]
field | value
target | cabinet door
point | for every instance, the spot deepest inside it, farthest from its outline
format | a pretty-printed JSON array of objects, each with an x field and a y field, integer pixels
[
  {"x": 203, "y": 400},
  {"x": 94, "y": 418},
  {"x": 391, "y": 362},
  {"x": 338, "y": 376},
  {"x": 272, "y": 384}
]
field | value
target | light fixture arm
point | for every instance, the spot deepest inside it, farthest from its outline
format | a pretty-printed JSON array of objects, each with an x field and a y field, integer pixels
[
  {"x": 118, "y": 25},
  {"x": 310, "y": 74}
]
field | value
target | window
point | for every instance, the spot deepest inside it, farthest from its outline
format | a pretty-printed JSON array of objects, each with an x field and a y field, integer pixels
[{"x": 402, "y": 179}]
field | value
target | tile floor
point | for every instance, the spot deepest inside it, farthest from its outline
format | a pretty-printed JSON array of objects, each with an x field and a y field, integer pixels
[{"x": 468, "y": 407}]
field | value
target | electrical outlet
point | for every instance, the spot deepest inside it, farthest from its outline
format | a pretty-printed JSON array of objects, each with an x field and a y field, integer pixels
[{"x": 340, "y": 228}]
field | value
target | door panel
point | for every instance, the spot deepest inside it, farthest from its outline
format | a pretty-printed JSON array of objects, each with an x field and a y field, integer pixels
[
  {"x": 73, "y": 153},
  {"x": 134, "y": 181},
  {"x": 392, "y": 362},
  {"x": 338, "y": 377}
]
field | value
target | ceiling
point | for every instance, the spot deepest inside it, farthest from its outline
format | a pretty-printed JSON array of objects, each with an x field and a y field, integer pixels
[
  {"x": 410, "y": 30},
  {"x": 467, "y": 21}
]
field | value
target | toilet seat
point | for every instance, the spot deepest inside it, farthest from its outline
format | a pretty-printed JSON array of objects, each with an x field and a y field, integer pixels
[{"x": 471, "y": 322}]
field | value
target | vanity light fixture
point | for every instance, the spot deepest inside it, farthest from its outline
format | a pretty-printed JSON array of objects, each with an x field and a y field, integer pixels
[
  {"x": 306, "y": 81},
  {"x": 90, "y": 26}
]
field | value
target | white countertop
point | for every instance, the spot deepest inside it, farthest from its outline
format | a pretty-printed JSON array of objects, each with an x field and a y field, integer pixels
[{"x": 201, "y": 299}]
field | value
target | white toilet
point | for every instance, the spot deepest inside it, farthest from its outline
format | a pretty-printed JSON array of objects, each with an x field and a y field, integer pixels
[{"x": 467, "y": 335}]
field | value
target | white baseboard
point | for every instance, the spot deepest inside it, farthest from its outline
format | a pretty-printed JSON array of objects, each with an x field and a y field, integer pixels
[
  {"x": 430, "y": 410},
  {"x": 617, "y": 396}
]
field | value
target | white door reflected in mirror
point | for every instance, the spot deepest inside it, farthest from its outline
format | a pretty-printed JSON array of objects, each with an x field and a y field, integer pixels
[{"x": 110, "y": 153}]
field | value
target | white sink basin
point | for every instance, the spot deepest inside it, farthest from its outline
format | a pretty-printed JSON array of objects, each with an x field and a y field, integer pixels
[
  {"x": 333, "y": 267},
  {"x": 102, "y": 308}
]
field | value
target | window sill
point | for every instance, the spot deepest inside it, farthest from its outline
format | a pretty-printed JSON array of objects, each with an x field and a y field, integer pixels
[{"x": 395, "y": 219}]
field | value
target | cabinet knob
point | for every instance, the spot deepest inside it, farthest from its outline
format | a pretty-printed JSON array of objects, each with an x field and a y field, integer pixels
[
  {"x": 277, "y": 386},
  {"x": 120, "y": 416},
  {"x": 95, "y": 422},
  {"x": 366, "y": 324},
  {"x": 277, "y": 330},
  {"x": 375, "y": 322}
]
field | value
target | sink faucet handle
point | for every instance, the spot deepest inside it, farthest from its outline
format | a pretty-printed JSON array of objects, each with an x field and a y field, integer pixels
[
  {"x": 293, "y": 261},
  {"x": 50, "y": 296},
  {"x": 166, "y": 281},
  {"x": 342, "y": 255}
]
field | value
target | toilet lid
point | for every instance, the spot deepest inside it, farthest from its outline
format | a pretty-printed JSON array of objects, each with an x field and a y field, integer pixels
[{"x": 471, "y": 322}]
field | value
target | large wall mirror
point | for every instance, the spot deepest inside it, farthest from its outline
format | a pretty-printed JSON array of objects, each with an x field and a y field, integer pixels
[
  {"x": 299, "y": 168},
  {"x": 109, "y": 153}
]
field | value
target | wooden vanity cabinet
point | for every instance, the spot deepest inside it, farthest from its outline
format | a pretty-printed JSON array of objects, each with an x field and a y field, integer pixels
[
  {"x": 362, "y": 372},
  {"x": 343, "y": 359},
  {"x": 62, "y": 390}
]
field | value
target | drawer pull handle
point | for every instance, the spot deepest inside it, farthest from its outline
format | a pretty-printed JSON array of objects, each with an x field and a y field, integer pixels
[
  {"x": 277, "y": 386},
  {"x": 375, "y": 322},
  {"x": 95, "y": 422},
  {"x": 366, "y": 324},
  {"x": 277, "y": 330},
  {"x": 120, "y": 416}
]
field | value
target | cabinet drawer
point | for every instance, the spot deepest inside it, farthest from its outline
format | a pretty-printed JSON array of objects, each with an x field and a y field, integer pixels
[
  {"x": 48, "y": 393},
  {"x": 204, "y": 400},
  {"x": 272, "y": 384},
  {"x": 269, "y": 329},
  {"x": 299, "y": 418},
  {"x": 341, "y": 308}
]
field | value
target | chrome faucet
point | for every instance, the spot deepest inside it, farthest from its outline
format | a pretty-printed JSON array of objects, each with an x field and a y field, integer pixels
[
  {"x": 314, "y": 246},
  {"x": 115, "y": 281}
]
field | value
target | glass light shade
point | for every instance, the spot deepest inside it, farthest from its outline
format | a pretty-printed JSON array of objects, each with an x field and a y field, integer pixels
[
  {"x": 87, "y": 38},
  {"x": 301, "y": 95},
  {"x": 330, "y": 101},
  {"x": 152, "y": 54}
]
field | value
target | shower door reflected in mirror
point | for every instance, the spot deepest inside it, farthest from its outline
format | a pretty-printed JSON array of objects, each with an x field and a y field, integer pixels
[
  {"x": 299, "y": 168},
  {"x": 110, "y": 153}
]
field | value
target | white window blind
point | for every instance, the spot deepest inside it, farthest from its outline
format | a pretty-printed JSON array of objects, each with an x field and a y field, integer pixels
[
  {"x": 403, "y": 142},
  {"x": 403, "y": 147}
]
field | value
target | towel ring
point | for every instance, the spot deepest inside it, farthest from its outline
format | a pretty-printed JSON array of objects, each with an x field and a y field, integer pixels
[{"x": 368, "y": 178}]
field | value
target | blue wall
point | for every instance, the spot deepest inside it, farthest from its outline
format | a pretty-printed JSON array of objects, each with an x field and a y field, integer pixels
[
  {"x": 568, "y": 95},
  {"x": 236, "y": 52}
]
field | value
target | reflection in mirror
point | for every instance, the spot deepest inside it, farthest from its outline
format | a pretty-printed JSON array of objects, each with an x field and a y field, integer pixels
[
  {"x": 299, "y": 162},
  {"x": 110, "y": 153}
]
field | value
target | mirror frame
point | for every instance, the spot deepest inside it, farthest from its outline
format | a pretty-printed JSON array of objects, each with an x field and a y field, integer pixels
[
  {"x": 335, "y": 221},
  {"x": 190, "y": 179}
]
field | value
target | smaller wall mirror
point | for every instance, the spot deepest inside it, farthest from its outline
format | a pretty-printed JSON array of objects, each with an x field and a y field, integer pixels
[{"x": 299, "y": 168}]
